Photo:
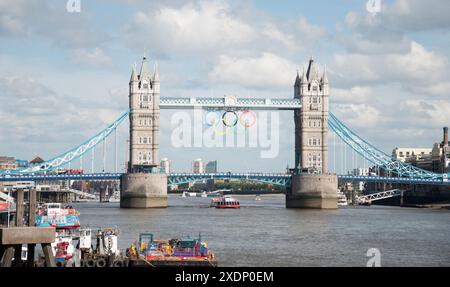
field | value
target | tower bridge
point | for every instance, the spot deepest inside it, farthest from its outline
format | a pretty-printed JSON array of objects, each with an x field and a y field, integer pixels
[{"x": 311, "y": 184}]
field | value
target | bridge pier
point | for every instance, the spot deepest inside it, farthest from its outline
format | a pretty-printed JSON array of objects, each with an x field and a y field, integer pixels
[
  {"x": 143, "y": 190},
  {"x": 312, "y": 191}
]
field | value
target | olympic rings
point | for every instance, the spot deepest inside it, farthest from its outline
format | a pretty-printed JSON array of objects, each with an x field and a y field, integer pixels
[
  {"x": 226, "y": 123},
  {"x": 214, "y": 120},
  {"x": 244, "y": 122},
  {"x": 229, "y": 119}
]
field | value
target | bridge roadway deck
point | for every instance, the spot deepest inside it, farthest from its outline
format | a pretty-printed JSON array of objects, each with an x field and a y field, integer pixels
[{"x": 173, "y": 177}]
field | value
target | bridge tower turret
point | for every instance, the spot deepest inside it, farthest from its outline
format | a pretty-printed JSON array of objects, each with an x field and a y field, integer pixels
[
  {"x": 143, "y": 185},
  {"x": 312, "y": 185},
  {"x": 144, "y": 120},
  {"x": 311, "y": 128}
]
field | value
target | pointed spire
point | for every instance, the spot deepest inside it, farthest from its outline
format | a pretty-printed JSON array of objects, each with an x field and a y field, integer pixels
[
  {"x": 304, "y": 79},
  {"x": 133, "y": 77},
  {"x": 144, "y": 73},
  {"x": 310, "y": 69},
  {"x": 325, "y": 75},
  {"x": 297, "y": 80},
  {"x": 155, "y": 76}
]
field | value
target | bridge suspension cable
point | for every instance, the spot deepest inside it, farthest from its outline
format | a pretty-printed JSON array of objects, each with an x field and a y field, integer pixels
[
  {"x": 74, "y": 153},
  {"x": 374, "y": 155}
]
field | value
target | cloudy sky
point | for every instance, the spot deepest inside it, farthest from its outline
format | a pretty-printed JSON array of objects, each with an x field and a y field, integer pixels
[{"x": 64, "y": 76}]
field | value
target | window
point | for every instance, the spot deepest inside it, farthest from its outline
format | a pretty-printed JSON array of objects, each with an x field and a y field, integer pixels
[{"x": 314, "y": 88}]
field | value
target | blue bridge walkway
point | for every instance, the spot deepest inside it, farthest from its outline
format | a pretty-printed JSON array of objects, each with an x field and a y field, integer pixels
[{"x": 280, "y": 179}]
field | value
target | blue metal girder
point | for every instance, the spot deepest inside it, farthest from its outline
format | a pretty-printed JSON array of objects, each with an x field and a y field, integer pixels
[
  {"x": 275, "y": 179},
  {"x": 386, "y": 179},
  {"x": 73, "y": 153},
  {"x": 376, "y": 156},
  {"x": 38, "y": 177}
]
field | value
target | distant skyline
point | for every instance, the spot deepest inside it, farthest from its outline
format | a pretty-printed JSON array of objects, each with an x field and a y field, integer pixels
[{"x": 64, "y": 76}]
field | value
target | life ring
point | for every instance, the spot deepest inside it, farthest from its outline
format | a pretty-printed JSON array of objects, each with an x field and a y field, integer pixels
[
  {"x": 90, "y": 263},
  {"x": 101, "y": 262}
]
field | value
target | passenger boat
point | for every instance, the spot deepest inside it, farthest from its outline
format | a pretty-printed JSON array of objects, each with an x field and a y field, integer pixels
[
  {"x": 3, "y": 206},
  {"x": 342, "y": 199},
  {"x": 63, "y": 247},
  {"x": 225, "y": 202},
  {"x": 171, "y": 252},
  {"x": 54, "y": 215}
]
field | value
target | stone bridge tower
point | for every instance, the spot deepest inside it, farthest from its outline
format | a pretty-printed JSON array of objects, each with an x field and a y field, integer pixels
[
  {"x": 144, "y": 185},
  {"x": 144, "y": 119},
  {"x": 311, "y": 121},
  {"x": 312, "y": 186}
]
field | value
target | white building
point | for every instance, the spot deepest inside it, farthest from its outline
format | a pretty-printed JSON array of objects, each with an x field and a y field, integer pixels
[
  {"x": 360, "y": 171},
  {"x": 408, "y": 154},
  {"x": 198, "y": 166},
  {"x": 165, "y": 165}
]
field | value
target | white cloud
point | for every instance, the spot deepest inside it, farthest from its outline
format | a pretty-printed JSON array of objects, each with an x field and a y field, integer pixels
[
  {"x": 417, "y": 67},
  {"x": 356, "y": 94},
  {"x": 38, "y": 120},
  {"x": 205, "y": 28},
  {"x": 387, "y": 31},
  {"x": 194, "y": 27},
  {"x": 266, "y": 70},
  {"x": 96, "y": 57},
  {"x": 307, "y": 31},
  {"x": 417, "y": 15},
  {"x": 49, "y": 20}
]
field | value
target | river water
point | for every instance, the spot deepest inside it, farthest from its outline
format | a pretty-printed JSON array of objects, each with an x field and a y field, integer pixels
[{"x": 265, "y": 233}]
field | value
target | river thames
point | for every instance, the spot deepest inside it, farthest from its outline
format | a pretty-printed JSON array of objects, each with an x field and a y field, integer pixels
[{"x": 265, "y": 233}]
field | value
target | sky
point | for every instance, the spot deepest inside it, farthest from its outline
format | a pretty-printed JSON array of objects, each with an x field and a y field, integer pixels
[{"x": 64, "y": 76}]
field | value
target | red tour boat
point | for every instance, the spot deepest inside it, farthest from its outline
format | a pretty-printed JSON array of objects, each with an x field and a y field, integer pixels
[{"x": 225, "y": 202}]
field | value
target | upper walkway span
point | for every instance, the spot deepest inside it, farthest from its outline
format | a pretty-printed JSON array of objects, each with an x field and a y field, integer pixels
[{"x": 280, "y": 179}]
